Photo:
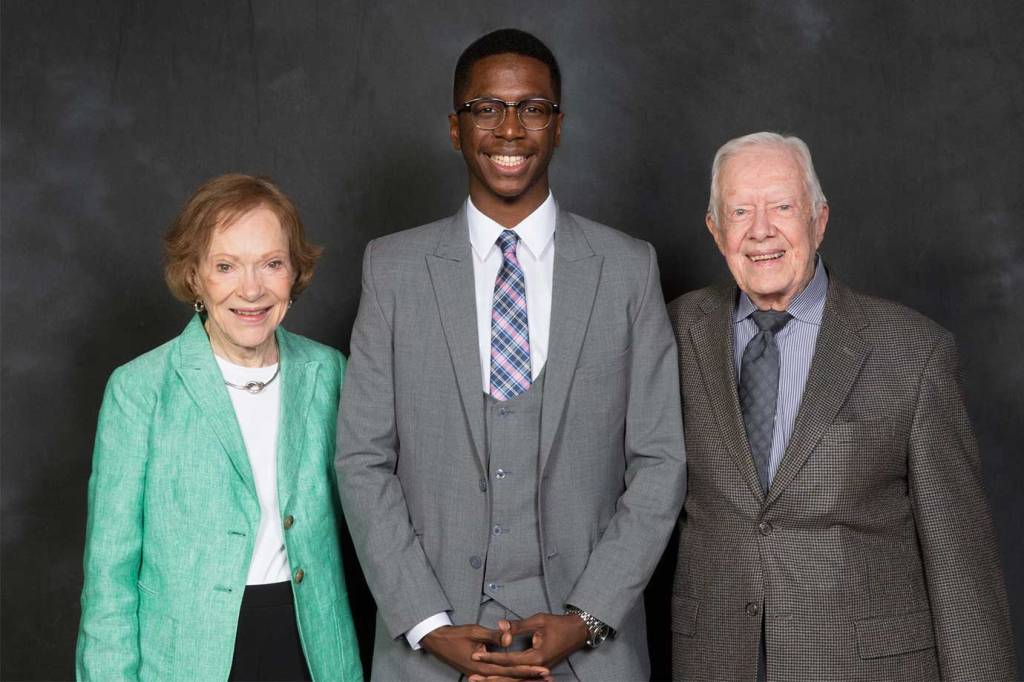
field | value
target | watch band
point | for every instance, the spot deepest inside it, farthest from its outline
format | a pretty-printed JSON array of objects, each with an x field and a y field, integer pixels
[{"x": 597, "y": 631}]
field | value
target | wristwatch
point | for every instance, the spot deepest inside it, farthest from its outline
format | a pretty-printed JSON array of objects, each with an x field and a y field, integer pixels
[{"x": 597, "y": 631}]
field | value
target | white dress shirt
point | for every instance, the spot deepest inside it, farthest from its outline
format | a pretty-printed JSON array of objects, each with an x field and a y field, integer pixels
[{"x": 536, "y": 255}]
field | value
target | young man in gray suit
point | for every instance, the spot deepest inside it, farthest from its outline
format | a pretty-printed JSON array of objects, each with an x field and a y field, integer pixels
[
  {"x": 836, "y": 526},
  {"x": 510, "y": 453}
]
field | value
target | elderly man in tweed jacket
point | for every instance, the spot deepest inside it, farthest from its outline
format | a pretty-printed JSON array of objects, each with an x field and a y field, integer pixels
[{"x": 836, "y": 526}]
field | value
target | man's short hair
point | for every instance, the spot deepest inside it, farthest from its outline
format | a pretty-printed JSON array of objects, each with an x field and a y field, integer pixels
[
  {"x": 505, "y": 41},
  {"x": 791, "y": 143}
]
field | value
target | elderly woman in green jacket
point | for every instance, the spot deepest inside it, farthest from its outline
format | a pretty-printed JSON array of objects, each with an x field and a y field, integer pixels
[{"x": 212, "y": 542}]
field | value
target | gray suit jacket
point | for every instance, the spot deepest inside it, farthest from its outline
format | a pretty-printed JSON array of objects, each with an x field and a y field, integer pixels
[
  {"x": 873, "y": 556},
  {"x": 411, "y": 447}
]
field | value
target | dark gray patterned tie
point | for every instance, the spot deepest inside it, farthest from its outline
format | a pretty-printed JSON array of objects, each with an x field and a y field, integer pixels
[{"x": 759, "y": 387}]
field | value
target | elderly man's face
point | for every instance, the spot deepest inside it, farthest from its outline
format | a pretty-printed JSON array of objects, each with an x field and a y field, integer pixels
[{"x": 764, "y": 228}]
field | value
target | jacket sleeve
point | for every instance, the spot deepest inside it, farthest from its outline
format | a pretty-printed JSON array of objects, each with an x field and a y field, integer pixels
[
  {"x": 958, "y": 544},
  {"x": 625, "y": 557},
  {"x": 396, "y": 568},
  {"x": 108, "y": 635}
]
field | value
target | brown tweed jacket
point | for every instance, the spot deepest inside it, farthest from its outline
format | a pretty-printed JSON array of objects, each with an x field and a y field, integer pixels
[{"x": 873, "y": 556}]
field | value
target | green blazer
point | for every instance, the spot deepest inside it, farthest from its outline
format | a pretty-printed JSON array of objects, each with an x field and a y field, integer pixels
[{"x": 173, "y": 516}]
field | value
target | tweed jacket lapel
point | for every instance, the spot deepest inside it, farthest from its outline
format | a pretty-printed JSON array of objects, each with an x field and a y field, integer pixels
[
  {"x": 577, "y": 270},
  {"x": 198, "y": 371},
  {"x": 712, "y": 339},
  {"x": 298, "y": 384},
  {"x": 451, "y": 273},
  {"x": 838, "y": 357}
]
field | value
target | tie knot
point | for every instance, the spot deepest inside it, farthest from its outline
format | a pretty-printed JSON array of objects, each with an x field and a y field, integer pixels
[
  {"x": 771, "y": 320},
  {"x": 507, "y": 241}
]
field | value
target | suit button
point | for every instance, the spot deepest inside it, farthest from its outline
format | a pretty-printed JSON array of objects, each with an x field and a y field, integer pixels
[
  {"x": 496, "y": 530},
  {"x": 483, "y": 485},
  {"x": 289, "y": 521},
  {"x": 299, "y": 575},
  {"x": 765, "y": 528},
  {"x": 475, "y": 561},
  {"x": 500, "y": 474},
  {"x": 753, "y": 608}
]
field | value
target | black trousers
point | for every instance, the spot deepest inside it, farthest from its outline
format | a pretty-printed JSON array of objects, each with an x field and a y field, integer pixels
[{"x": 267, "y": 645}]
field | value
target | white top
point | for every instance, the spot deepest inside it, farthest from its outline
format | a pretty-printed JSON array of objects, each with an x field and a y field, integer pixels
[
  {"x": 536, "y": 255},
  {"x": 258, "y": 416}
]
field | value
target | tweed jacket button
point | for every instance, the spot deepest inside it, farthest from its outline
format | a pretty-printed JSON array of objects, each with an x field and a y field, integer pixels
[
  {"x": 289, "y": 521},
  {"x": 299, "y": 575},
  {"x": 765, "y": 528},
  {"x": 475, "y": 561},
  {"x": 753, "y": 608}
]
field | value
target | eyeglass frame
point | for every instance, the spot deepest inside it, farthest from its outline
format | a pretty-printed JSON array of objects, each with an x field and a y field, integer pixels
[{"x": 467, "y": 107}]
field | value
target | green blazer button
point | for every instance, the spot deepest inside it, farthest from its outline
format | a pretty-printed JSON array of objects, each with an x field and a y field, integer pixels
[
  {"x": 299, "y": 575},
  {"x": 289, "y": 521}
]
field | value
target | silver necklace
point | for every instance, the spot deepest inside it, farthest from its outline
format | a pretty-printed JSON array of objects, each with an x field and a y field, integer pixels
[{"x": 255, "y": 387}]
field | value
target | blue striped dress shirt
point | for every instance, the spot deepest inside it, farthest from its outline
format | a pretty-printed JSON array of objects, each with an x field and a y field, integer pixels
[{"x": 796, "y": 344}]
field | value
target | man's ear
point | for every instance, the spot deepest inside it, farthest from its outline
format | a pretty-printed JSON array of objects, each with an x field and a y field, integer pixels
[
  {"x": 453, "y": 131},
  {"x": 819, "y": 227},
  {"x": 709, "y": 220}
]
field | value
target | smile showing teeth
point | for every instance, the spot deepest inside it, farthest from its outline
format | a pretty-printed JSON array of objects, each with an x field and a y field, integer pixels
[
  {"x": 766, "y": 256},
  {"x": 506, "y": 160},
  {"x": 249, "y": 313}
]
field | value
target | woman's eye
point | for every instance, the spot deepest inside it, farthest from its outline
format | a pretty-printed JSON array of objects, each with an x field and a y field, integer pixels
[
  {"x": 275, "y": 264},
  {"x": 223, "y": 267}
]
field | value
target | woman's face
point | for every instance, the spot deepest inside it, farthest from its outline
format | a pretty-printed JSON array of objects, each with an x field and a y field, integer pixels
[{"x": 245, "y": 281}]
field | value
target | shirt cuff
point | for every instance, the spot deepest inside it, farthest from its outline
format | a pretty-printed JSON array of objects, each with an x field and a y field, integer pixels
[{"x": 425, "y": 627}]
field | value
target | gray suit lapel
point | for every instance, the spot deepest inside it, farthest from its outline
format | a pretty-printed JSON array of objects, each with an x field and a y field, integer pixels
[
  {"x": 451, "y": 274},
  {"x": 202, "y": 379},
  {"x": 577, "y": 270},
  {"x": 298, "y": 384},
  {"x": 838, "y": 356},
  {"x": 712, "y": 338}
]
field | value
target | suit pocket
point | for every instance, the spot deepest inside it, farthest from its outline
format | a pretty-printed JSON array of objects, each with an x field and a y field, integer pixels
[
  {"x": 601, "y": 363},
  {"x": 684, "y": 615},
  {"x": 894, "y": 635},
  {"x": 157, "y": 635},
  {"x": 858, "y": 431}
]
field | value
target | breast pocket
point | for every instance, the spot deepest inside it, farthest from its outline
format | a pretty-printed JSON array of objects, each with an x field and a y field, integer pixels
[{"x": 858, "y": 431}]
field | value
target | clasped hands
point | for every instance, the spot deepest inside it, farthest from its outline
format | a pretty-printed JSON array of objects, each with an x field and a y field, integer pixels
[{"x": 464, "y": 647}]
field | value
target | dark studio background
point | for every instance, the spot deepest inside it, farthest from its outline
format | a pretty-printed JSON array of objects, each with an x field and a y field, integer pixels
[{"x": 112, "y": 112}]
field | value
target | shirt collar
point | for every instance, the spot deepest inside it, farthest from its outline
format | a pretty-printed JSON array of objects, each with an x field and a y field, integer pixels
[
  {"x": 808, "y": 306},
  {"x": 536, "y": 230}
]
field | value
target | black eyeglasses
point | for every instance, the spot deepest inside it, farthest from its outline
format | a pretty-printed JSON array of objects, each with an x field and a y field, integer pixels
[{"x": 488, "y": 113}]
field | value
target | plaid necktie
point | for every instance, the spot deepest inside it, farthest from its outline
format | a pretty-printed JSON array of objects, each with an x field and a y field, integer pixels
[
  {"x": 510, "y": 333},
  {"x": 759, "y": 387}
]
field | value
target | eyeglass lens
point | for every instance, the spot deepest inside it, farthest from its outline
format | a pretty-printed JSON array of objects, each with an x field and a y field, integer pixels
[{"x": 534, "y": 114}]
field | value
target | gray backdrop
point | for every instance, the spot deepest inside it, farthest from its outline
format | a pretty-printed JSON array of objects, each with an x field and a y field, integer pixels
[{"x": 114, "y": 111}]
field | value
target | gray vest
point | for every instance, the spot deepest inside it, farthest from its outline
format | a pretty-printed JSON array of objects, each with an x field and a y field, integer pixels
[{"x": 514, "y": 573}]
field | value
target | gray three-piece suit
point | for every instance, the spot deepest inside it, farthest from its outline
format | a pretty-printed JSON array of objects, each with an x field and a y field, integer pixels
[{"x": 566, "y": 494}]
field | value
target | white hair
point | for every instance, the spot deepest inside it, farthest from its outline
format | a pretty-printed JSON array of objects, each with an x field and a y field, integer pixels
[{"x": 767, "y": 139}]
